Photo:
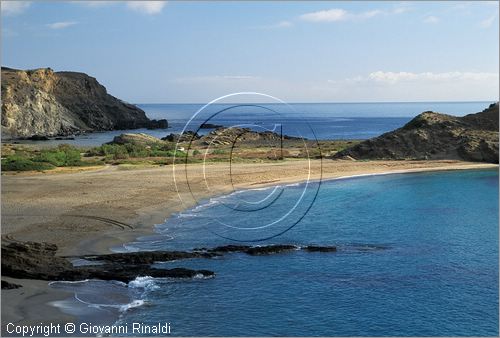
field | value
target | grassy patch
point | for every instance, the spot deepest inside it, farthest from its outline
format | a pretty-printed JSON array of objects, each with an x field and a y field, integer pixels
[{"x": 21, "y": 163}]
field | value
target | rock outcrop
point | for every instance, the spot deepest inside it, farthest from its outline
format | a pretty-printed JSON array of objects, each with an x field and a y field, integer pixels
[
  {"x": 431, "y": 135},
  {"x": 44, "y": 103},
  {"x": 32, "y": 260},
  {"x": 231, "y": 135},
  {"x": 187, "y": 136},
  {"x": 137, "y": 139},
  {"x": 39, "y": 261}
]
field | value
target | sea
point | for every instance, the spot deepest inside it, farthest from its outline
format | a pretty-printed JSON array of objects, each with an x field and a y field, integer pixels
[
  {"x": 417, "y": 253},
  {"x": 308, "y": 120}
]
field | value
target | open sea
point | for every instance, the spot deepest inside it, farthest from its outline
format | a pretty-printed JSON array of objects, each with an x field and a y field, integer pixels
[
  {"x": 309, "y": 120},
  {"x": 417, "y": 256}
]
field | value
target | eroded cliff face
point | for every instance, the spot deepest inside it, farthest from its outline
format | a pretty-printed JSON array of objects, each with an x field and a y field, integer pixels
[
  {"x": 431, "y": 135},
  {"x": 42, "y": 102}
]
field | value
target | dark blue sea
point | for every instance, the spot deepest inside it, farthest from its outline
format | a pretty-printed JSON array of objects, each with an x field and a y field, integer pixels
[
  {"x": 309, "y": 120},
  {"x": 417, "y": 256}
]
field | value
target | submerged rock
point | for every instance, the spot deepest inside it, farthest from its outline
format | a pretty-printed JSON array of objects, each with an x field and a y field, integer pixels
[
  {"x": 230, "y": 248},
  {"x": 270, "y": 249},
  {"x": 316, "y": 248}
]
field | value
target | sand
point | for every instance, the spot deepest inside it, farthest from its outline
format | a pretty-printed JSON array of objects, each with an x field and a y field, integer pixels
[{"x": 90, "y": 211}]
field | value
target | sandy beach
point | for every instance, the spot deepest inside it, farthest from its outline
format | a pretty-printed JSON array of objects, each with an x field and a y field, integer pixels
[{"x": 92, "y": 210}]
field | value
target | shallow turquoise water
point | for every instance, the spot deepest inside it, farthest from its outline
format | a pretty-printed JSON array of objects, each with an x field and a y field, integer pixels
[{"x": 418, "y": 256}]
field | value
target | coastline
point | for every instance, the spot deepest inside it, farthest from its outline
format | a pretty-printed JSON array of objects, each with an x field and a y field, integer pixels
[{"x": 32, "y": 302}]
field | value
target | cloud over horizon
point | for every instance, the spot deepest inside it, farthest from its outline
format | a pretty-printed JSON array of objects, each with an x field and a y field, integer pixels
[{"x": 61, "y": 24}]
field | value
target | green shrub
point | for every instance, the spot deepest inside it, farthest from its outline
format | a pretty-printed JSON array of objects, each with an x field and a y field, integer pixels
[
  {"x": 20, "y": 163},
  {"x": 63, "y": 156},
  {"x": 218, "y": 151}
]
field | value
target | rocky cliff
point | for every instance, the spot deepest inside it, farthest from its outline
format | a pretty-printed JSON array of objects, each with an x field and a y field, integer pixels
[
  {"x": 431, "y": 135},
  {"x": 42, "y": 102}
]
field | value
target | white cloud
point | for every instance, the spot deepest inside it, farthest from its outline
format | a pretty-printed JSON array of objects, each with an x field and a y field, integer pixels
[
  {"x": 14, "y": 7},
  {"x": 412, "y": 86},
  {"x": 432, "y": 19},
  {"x": 330, "y": 15},
  {"x": 147, "y": 7},
  {"x": 368, "y": 14},
  {"x": 488, "y": 22},
  {"x": 338, "y": 14},
  {"x": 96, "y": 4},
  {"x": 61, "y": 24},
  {"x": 398, "y": 77}
]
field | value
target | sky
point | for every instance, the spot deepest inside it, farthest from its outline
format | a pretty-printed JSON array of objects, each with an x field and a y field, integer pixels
[{"x": 194, "y": 52}]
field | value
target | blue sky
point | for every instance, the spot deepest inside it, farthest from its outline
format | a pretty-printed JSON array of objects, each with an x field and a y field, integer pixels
[{"x": 178, "y": 52}]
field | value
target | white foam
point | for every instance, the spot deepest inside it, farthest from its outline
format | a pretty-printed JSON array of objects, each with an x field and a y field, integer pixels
[
  {"x": 201, "y": 276},
  {"x": 146, "y": 283},
  {"x": 69, "y": 282},
  {"x": 131, "y": 305},
  {"x": 121, "y": 307}
]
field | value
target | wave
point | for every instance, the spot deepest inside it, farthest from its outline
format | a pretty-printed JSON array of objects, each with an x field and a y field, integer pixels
[
  {"x": 120, "y": 307},
  {"x": 147, "y": 283}
]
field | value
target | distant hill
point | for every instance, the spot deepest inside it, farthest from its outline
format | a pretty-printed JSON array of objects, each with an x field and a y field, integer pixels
[
  {"x": 42, "y": 102},
  {"x": 431, "y": 135}
]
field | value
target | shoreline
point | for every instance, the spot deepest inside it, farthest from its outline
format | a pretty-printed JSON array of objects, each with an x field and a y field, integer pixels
[
  {"x": 32, "y": 302},
  {"x": 99, "y": 245}
]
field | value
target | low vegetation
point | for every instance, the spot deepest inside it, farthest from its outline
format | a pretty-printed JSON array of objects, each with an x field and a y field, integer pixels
[{"x": 19, "y": 157}]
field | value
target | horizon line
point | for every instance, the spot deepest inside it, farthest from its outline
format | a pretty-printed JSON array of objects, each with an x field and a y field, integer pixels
[{"x": 323, "y": 102}]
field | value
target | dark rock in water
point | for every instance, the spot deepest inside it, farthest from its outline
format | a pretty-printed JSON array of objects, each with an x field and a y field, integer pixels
[
  {"x": 158, "y": 124},
  {"x": 127, "y": 273},
  {"x": 270, "y": 249},
  {"x": 210, "y": 126},
  {"x": 253, "y": 250},
  {"x": 315, "y": 248},
  {"x": 9, "y": 286},
  {"x": 65, "y": 138},
  {"x": 148, "y": 257},
  {"x": 430, "y": 135},
  {"x": 38, "y": 261},
  {"x": 230, "y": 248},
  {"x": 38, "y": 138},
  {"x": 47, "y": 103}
]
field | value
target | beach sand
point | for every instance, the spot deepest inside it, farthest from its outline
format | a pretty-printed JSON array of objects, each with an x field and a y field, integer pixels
[{"x": 90, "y": 211}]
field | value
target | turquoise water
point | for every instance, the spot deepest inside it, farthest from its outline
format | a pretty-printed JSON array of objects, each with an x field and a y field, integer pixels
[
  {"x": 310, "y": 120},
  {"x": 417, "y": 256}
]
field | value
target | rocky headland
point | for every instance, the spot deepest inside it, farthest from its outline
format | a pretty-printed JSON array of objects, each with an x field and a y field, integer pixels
[
  {"x": 435, "y": 136},
  {"x": 41, "y": 103}
]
